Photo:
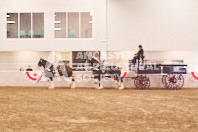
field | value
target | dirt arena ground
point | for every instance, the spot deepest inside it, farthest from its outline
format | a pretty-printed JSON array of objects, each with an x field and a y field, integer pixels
[{"x": 81, "y": 110}]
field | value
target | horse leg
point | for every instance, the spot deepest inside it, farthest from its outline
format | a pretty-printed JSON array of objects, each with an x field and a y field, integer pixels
[
  {"x": 72, "y": 83},
  {"x": 51, "y": 86},
  {"x": 121, "y": 84},
  {"x": 100, "y": 82},
  {"x": 94, "y": 80}
]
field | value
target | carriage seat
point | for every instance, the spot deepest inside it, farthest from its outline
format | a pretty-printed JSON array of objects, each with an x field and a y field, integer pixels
[{"x": 141, "y": 57}]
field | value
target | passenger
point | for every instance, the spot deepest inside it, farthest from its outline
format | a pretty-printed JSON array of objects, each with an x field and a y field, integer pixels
[
  {"x": 29, "y": 68},
  {"x": 139, "y": 55}
]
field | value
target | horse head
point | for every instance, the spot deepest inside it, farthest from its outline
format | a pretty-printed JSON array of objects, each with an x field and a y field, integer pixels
[{"x": 42, "y": 62}]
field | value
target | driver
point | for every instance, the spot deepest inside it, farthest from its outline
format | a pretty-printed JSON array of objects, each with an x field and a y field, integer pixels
[{"x": 138, "y": 55}]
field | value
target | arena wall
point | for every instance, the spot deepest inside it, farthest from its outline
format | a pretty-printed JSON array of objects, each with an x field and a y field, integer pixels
[{"x": 158, "y": 25}]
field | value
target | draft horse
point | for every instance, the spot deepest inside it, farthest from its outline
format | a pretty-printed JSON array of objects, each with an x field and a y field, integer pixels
[
  {"x": 100, "y": 71},
  {"x": 61, "y": 70}
]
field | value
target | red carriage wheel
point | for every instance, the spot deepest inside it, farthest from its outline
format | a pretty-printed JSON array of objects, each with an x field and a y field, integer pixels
[
  {"x": 174, "y": 81},
  {"x": 148, "y": 82},
  {"x": 142, "y": 82},
  {"x": 164, "y": 81},
  {"x": 135, "y": 82},
  {"x": 180, "y": 81},
  {"x": 170, "y": 81}
]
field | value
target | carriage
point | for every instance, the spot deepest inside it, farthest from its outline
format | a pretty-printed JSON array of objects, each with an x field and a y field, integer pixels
[{"x": 172, "y": 75}]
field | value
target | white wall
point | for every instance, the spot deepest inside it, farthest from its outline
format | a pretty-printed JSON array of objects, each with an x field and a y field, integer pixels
[
  {"x": 13, "y": 61},
  {"x": 155, "y": 24},
  {"x": 49, "y": 7}
]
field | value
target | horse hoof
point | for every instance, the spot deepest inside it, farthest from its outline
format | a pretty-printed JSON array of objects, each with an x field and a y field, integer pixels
[
  {"x": 120, "y": 88},
  {"x": 73, "y": 86},
  {"x": 100, "y": 88}
]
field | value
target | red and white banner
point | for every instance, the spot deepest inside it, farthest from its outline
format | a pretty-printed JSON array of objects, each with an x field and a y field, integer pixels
[
  {"x": 34, "y": 76},
  {"x": 194, "y": 76}
]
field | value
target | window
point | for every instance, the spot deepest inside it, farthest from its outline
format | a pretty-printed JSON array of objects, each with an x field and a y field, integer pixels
[
  {"x": 86, "y": 25},
  {"x": 60, "y": 25},
  {"x": 38, "y": 25},
  {"x": 26, "y": 30},
  {"x": 73, "y": 25},
  {"x": 12, "y": 25},
  {"x": 25, "y": 25}
]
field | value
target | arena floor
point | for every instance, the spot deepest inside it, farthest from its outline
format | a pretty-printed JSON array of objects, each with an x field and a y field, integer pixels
[{"x": 34, "y": 109}]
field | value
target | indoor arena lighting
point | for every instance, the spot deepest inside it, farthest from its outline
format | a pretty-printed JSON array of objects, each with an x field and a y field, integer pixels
[
  {"x": 91, "y": 13},
  {"x": 57, "y": 22},
  {"x": 10, "y": 22},
  {"x": 57, "y": 29}
]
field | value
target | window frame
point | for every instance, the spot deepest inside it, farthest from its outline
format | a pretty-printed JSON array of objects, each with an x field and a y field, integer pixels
[
  {"x": 79, "y": 38},
  {"x": 7, "y": 24},
  {"x": 19, "y": 22}
]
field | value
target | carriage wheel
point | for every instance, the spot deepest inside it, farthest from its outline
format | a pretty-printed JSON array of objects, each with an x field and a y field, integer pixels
[
  {"x": 135, "y": 82},
  {"x": 180, "y": 81},
  {"x": 138, "y": 82},
  {"x": 148, "y": 82},
  {"x": 174, "y": 81},
  {"x": 164, "y": 81},
  {"x": 142, "y": 82}
]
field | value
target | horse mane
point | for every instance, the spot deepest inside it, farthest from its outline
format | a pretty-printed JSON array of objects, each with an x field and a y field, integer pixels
[{"x": 45, "y": 60}]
